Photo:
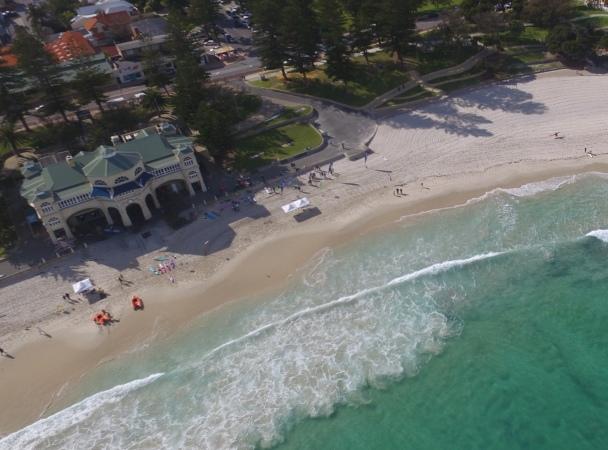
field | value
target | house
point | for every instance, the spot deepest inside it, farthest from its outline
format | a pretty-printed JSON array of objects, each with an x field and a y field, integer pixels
[
  {"x": 7, "y": 58},
  {"x": 105, "y": 28},
  {"x": 135, "y": 49},
  {"x": 149, "y": 27},
  {"x": 107, "y": 7},
  {"x": 127, "y": 71},
  {"x": 69, "y": 45},
  {"x": 119, "y": 185},
  {"x": 599, "y": 4}
]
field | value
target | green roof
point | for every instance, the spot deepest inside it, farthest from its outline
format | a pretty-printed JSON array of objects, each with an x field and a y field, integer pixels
[
  {"x": 155, "y": 147},
  {"x": 63, "y": 180},
  {"x": 109, "y": 161}
]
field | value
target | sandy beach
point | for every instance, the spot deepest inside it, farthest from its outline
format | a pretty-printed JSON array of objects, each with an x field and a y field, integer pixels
[{"x": 441, "y": 154}]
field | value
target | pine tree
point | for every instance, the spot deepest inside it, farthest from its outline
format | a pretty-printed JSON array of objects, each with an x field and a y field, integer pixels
[
  {"x": 268, "y": 40},
  {"x": 362, "y": 14},
  {"x": 205, "y": 13},
  {"x": 190, "y": 77},
  {"x": 396, "y": 25},
  {"x": 300, "y": 32},
  {"x": 155, "y": 75},
  {"x": 337, "y": 52},
  {"x": 12, "y": 101},
  {"x": 38, "y": 65},
  {"x": 88, "y": 86}
]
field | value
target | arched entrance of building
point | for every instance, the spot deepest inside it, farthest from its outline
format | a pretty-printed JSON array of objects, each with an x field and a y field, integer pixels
[
  {"x": 115, "y": 216},
  {"x": 136, "y": 214},
  {"x": 150, "y": 203},
  {"x": 173, "y": 195},
  {"x": 87, "y": 223}
]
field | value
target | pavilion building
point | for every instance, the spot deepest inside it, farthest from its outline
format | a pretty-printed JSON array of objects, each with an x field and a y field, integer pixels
[{"x": 113, "y": 185}]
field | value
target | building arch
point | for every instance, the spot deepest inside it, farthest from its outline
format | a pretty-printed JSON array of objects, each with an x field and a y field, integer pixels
[
  {"x": 150, "y": 202},
  {"x": 173, "y": 194},
  {"x": 115, "y": 216},
  {"x": 87, "y": 222},
  {"x": 121, "y": 180},
  {"x": 135, "y": 213}
]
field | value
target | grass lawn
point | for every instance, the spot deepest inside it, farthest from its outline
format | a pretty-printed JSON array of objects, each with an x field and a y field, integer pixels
[
  {"x": 370, "y": 81},
  {"x": 430, "y": 7},
  {"x": 273, "y": 145},
  {"x": 440, "y": 58},
  {"x": 597, "y": 22},
  {"x": 288, "y": 114},
  {"x": 529, "y": 36}
]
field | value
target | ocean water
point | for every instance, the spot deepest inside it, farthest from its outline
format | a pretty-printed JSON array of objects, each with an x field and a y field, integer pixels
[{"x": 475, "y": 327}]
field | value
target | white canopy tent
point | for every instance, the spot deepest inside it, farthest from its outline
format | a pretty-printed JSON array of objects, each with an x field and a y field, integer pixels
[
  {"x": 299, "y": 203},
  {"x": 82, "y": 286}
]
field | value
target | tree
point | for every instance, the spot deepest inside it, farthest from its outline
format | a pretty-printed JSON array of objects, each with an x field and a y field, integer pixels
[
  {"x": 268, "y": 39},
  {"x": 337, "y": 52},
  {"x": 12, "y": 101},
  {"x": 9, "y": 136},
  {"x": 88, "y": 86},
  {"x": 214, "y": 132},
  {"x": 153, "y": 100},
  {"x": 396, "y": 25},
  {"x": 190, "y": 77},
  {"x": 362, "y": 15},
  {"x": 155, "y": 75},
  {"x": 454, "y": 25},
  {"x": 205, "y": 13},
  {"x": 548, "y": 13},
  {"x": 491, "y": 24},
  {"x": 38, "y": 65},
  {"x": 575, "y": 43},
  {"x": 300, "y": 31},
  {"x": 36, "y": 14}
]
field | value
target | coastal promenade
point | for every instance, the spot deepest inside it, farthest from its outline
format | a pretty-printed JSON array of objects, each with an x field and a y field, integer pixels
[{"x": 440, "y": 154}]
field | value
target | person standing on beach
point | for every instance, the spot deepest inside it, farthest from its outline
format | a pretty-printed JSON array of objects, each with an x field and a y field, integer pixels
[{"x": 2, "y": 352}]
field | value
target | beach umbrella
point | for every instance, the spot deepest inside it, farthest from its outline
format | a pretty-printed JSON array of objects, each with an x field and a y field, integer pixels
[
  {"x": 299, "y": 203},
  {"x": 82, "y": 286}
]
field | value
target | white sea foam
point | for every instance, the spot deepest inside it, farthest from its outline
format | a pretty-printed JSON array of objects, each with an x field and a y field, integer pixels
[
  {"x": 35, "y": 435},
  {"x": 249, "y": 390},
  {"x": 602, "y": 235}
]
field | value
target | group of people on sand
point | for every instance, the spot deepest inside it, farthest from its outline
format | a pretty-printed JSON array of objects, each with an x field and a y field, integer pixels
[{"x": 104, "y": 318}]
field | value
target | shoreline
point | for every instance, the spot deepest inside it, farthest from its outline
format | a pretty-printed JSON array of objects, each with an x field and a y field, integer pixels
[
  {"x": 71, "y": 352},
  {"x": 460, "y": 148}
]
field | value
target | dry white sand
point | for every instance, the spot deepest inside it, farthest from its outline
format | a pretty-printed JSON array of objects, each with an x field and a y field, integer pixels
[{"x": 460, "y": 147}]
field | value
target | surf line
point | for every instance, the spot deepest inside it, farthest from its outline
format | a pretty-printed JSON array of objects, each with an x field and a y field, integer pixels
[
  {"x": 429, "y": 270},
  {"x": 82, "y": 410}
]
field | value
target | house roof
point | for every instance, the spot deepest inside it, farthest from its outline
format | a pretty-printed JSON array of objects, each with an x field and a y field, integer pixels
[
  {"x": 7, "y": 58},
  {"x": 108, "y": 6},
  {"x": 63, "y": 180},
  {"x": 109, "y": 161},
  {"x": 152, "y": 26},
  {"x": 70, "y": 45},
  {"x": 119, "y": 18},
  {"x": 157, "y": 147}
]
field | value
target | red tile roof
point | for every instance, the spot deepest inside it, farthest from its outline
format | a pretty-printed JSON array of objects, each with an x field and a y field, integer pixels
[
  {"x": 7, "y": 59},
  {"x": 70, "y": 45},
  {"x": 110, "y": 51},
  {"x": 120, "y": 18}
]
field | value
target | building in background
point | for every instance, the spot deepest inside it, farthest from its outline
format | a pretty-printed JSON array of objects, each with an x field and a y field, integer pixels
[{"x": 120, "y": 185}]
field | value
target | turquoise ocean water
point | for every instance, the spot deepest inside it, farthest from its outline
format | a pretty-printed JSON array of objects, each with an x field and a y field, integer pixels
[{"x": 481, "y": 326}]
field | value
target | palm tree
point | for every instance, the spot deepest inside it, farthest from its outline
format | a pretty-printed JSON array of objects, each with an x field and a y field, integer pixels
[
  {"x": 153, "y": 100},
  {"x": 9, "y": 136}
]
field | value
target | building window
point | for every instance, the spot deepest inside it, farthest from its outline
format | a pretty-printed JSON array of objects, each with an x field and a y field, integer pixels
[
  {"x": 121, "y": 180},
  {"x": 53, "y": 222},
  {"x": 100, "y": 183},
  {"x": 188, "y": 161},
  {"x": 46, "y": 207},
  {"x": 138, "y": 171},
  {"x": 193, "y": 175},
  {"x": 166, "y": 170}
]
